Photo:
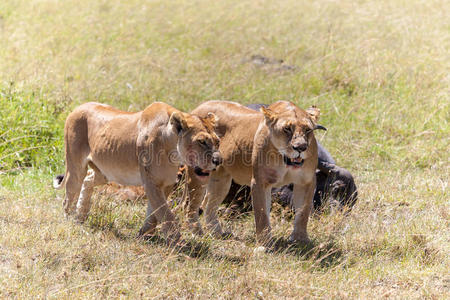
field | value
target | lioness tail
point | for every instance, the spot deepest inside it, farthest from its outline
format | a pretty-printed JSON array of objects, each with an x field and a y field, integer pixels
[{"x": 59, "y": 181}]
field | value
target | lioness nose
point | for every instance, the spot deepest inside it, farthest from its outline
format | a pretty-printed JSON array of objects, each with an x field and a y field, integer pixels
[
  {"x": 216, "y": 158},
  {"x": 301, "y": 147}
]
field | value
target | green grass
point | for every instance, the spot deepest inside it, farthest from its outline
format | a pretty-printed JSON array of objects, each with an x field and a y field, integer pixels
[
  {"x": 30, "y": 131},
  {"x": 378, "y": 70}
]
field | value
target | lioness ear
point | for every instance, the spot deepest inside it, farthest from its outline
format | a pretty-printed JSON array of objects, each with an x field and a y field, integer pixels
[
  {"x": 178, "y": 122},
  {"x": 269, "y": 115},
  {"x": 212, "y": 119},
  {"x": 313, "y": 113}
]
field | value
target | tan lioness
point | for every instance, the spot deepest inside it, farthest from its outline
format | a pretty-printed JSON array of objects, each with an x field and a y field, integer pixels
[
  {"x": 143, "y": 148},
  {"x": 262, "y": 150}
]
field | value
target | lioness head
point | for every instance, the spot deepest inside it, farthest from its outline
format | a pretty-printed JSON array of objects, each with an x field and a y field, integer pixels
[
  {"x": 291, "y": 130},
  {"x": 198, "y": 144}
]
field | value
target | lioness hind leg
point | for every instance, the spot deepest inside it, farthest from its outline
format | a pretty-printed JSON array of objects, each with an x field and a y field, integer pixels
[
  {"x": 218, "y": 187},
  {"x": 76, "y": 152},
  {"x": 94, "y": 178},
  {"x": 73, "y": 186},
  {"x": 194, "y": 194}
]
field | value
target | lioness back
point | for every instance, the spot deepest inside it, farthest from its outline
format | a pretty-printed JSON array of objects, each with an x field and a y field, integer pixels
[
  {"x": 237, "y": 126},
  {"x": 104, "y": 134}
]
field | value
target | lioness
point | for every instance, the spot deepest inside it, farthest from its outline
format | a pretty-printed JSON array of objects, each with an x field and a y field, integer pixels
[
  {"x": 334, "y": 185},
  {"x": 262, "y": 150},
  {"x": 142, "y": 148}
]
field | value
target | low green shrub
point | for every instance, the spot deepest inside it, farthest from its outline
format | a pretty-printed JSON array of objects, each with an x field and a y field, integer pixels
[{"x": 31, "y": 131}]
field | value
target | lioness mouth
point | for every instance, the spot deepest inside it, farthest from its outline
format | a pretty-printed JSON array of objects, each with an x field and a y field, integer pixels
[
  {"x": 201, "y": 172},
  {"x": 294, "y": 162}
]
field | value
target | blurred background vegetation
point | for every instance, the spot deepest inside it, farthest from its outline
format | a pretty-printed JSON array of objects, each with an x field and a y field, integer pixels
[{"x": 379, "y": 71}]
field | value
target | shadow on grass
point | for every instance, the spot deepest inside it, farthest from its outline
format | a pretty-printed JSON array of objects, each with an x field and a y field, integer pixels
[
  {"x": 324, "y": 255},
  {"x": 190, "y": 248},
  {"x": 195, "y": 249},
  {"x": 105, "y": 223}
]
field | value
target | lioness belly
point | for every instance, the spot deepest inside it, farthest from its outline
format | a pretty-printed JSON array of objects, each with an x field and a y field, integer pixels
[
  {"x": 240, "y": 175},
  {"x": 113, "y": 151},
  {"x": 125, "y": 176}
]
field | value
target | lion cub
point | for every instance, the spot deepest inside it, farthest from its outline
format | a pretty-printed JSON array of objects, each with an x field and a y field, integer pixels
[
  {"x": 143, "y": 148},
  {"x": 264, "y": 149}
]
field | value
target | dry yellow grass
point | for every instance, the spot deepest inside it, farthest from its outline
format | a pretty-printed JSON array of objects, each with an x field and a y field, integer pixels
[{"x": 379, "y": 71}]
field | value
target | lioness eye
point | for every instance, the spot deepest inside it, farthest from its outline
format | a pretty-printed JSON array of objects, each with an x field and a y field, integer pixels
[
  {"x": 203, "y": 143},
  {"x": 287, "y": 129}
]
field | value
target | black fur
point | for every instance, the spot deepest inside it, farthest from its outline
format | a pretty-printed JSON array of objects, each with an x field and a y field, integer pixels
[{"x": 59, "y": 178}]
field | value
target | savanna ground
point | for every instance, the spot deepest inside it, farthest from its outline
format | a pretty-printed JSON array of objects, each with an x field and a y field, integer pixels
[{"x": 378, "y": 70}]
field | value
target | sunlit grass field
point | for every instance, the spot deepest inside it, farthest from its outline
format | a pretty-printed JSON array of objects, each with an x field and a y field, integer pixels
[{"x": 378, "y": 70}]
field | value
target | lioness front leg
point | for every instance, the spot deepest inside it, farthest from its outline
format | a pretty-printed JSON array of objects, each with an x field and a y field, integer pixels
[
  {"x": 261, "y": 201},
  {"x": 159, "y": 211},
  {"x": 303, "y": 201},
  {"x": 218, "y": 187},
  {"x": 194, "y": 194},
  {"x": 150, "y": 222}
]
